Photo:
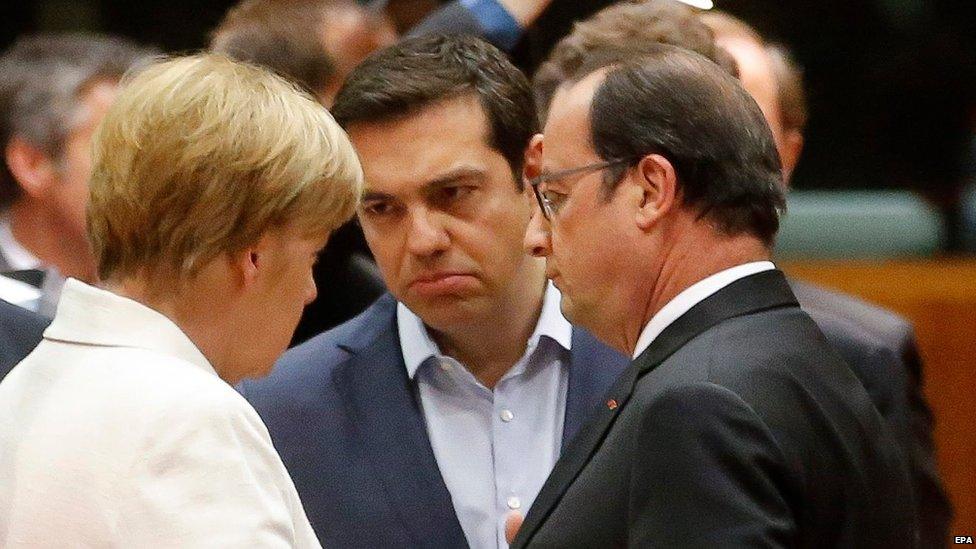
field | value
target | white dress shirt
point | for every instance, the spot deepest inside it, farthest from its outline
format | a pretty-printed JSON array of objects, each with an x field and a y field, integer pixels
[
  {"x": 693, "y": 295},
  {"x": 15, "y": 257},
  {"x": 494, "y": 448},
  {"x": 117, "y": 432}
]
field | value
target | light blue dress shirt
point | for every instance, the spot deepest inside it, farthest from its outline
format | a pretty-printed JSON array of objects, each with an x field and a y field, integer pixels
[{"x": 494, "y": 448}]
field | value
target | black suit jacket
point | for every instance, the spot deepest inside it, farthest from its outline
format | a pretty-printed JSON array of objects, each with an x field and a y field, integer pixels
[
  {"x": 737, "y": 427},
  {"x": 880, "y": 348},
  {"x": 20, "y": 332}
]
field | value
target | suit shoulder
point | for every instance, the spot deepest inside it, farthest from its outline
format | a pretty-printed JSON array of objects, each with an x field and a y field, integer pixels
[
  {"x": 306, "y": 366},
  {"x": 140, "y": 385},
  {"x": 849, "y": 338},
  {"x": 888, "y": 326},
  {"x": 753, "y": 354}
]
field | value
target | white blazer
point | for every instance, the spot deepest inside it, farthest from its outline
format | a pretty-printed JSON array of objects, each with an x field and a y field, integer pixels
[{"x": 117, "y": 432}]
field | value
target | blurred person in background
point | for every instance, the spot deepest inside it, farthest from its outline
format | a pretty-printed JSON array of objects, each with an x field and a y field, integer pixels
[
  {"x": 316, "y": 43},
  {"x": 54, "y": 91},
  {"x": 214, "y": 186},
  {"x": 879, "y": 345},
  {"x": 434, "y": 417},
  {"x": 501, "y": 22}
]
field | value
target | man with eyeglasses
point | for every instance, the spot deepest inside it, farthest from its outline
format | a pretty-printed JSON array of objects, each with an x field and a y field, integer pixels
[
  {"x": 736, "y": 425},
  {"x": 433, "y": 418}
]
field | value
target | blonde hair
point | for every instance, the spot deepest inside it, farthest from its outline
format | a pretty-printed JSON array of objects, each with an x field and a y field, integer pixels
[{"x": 201, "y": 155}]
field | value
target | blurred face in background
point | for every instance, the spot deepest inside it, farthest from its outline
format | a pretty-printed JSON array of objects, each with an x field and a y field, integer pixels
[
  {"x": 55, "y": 188},
  {"x": 69, "y": 192},
  {"x": 442, "y": 214},
  {"x": 350, "y": 34},
  {"x": 758, "y": 78}
]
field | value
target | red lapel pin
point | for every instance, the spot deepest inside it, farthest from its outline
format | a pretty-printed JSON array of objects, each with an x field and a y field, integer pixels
[{"x": 612, "y": 404}]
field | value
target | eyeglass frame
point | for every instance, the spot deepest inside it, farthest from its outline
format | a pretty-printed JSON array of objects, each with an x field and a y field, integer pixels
[{"x": 548, "y": 207}]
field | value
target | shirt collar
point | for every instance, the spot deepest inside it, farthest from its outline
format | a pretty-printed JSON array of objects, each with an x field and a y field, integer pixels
[
  {"x": 693, "y": 295},
  {"x": 417, "y": 345},
  {"x": 18, "y": 257},
  {"x": 93, "y": 316}
]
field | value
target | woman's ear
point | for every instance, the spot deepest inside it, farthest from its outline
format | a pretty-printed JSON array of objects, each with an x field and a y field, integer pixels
[
  {"x": 657, "y": 186},
  {"x": 249, "y": 262}
]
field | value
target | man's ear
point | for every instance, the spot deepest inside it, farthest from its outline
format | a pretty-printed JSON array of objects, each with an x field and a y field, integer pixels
[
  {"x": 532, "y": 166},
  {"x": 657, "y": 189},
  {"x": 33, "y": 169},
  {"x": 792, "y": 146}
]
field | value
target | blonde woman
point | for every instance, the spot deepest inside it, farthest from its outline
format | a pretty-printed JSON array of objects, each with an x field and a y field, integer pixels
[{"x": 214, "y": 185}]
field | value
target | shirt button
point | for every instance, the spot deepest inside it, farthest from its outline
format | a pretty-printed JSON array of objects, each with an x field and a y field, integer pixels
[
  {"x": 514, "y": 503},
  {"x": 507, "y": 415}
]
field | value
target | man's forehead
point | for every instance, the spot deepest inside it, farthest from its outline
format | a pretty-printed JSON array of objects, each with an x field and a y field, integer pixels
[
  {"x": 573, "y": 99},
  {"x": 569, "y": 116},
  {"x": 442, "y": 142}
]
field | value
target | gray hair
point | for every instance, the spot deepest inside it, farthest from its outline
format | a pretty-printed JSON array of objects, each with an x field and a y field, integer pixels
[{"x": 45, "y": 78}]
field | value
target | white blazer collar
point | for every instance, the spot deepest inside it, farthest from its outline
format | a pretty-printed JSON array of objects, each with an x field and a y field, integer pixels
[{"x": 92, "y": 316}]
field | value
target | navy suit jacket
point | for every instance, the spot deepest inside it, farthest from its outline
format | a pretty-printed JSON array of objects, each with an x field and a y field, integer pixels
[
  {"x": 20, "y": 332},
  {"x": 347, "y": 422}
]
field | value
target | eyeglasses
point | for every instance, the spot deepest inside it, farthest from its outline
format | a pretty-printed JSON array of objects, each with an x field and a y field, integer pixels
[{"x": 551, "y": 202}]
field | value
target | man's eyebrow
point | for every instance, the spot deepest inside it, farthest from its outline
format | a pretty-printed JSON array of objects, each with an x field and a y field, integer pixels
[
  {"x": 369, "y": 195},
  {"x": 454, "y": 176},
  {"x": 460, "y": 174}
]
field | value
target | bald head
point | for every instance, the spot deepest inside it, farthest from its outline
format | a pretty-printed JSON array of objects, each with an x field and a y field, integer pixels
[{"x": 765, "y": 72}]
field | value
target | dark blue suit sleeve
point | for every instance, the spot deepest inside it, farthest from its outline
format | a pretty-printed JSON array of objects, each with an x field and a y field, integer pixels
[
  {"x": 20, "y": 332},
  {"x": 484, "y": 18}
]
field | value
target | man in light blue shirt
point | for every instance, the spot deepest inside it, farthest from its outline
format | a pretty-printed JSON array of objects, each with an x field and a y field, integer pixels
[
  {"x": 481, "y": 436},
  {"x": 437, "y": 414}
]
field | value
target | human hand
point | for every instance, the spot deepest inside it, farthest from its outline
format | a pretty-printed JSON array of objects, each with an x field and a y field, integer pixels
[
  {"x": 513, "y": 521},
  {"x": 525, "y": 11}
]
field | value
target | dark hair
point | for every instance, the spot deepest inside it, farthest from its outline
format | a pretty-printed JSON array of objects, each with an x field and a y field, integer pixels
[
  {"x": 282, "y": 35},
  {"x": 45, "y": 79},
  {"x": 678, "y": 104},
  {"x": 625, "y": 30},
  {"x": 418, "y": 72}
]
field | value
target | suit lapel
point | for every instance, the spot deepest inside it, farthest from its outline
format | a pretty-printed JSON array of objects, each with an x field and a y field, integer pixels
[
  {"x": 755, "y": 293},
  {"x": 380, "y": 397},
  {"x": 593, "y": 368}
]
